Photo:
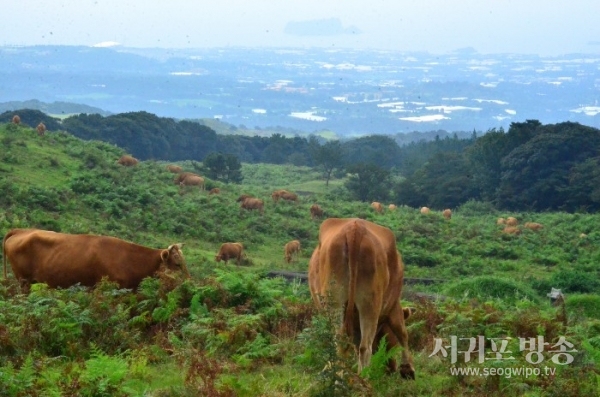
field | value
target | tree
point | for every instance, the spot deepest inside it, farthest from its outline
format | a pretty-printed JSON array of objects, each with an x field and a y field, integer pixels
[
  {"x": 328, "y": 157},
  {"x": 223, "y": 167},
  {"x": 368, "y": 182}
]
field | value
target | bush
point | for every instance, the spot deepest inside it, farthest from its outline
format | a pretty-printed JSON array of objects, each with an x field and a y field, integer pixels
[
  {"x": 575, "y": 281},
  {"x": 588, "y": 305},
  {"x": 490, "y": 287}
]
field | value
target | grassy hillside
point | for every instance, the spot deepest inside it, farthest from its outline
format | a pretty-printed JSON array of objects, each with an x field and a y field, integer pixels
[{"x": 230, "y": 331}]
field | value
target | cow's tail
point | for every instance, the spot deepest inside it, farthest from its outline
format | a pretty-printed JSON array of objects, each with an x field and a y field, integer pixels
[{"x": 354, "y": 238}]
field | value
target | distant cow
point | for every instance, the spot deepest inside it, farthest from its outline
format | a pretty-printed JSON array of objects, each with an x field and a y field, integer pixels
[
  {"x": 243, "y": 197},
  {"x": 501, "y": 221},
  {"x": 377, "y": 207},
  {"x": 447, "y": 213},
  {"x": 63, "y": 260},
  {"x": 16, "y": 119},
  {"x": 127, "y": 160},
  {"x": 358, "y": 267},
  {"x": 174, "y": 168},
  {"x": 425, "y": 210},
  {"x": 392, "y": 207},
  {"x": 251, "y": 203},
  {"x": 291, "y": 248},
  {"x": 285, "y": 195},
  {"x": 41, "y": 129},
  {"x": 189, "y": 179},
  {"x": 316, "y": 211},
  {"x": 511, "y": 230},
  {"x": 534, "y": 226},
  {"x": 230, "y": 251},
  {"x": 510, "y": 221},
  {"x": 214, "y": 190}
]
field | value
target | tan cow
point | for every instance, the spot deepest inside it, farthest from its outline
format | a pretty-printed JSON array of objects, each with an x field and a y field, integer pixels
[
  {"x": 536, "y": 227},
  {"x": 291, "y": 248},
  {"x": 377, "y": 207},
  {"x": 251, "y": 203},
  {"x": 174, "y": 168},
  {"x": 447, "y": 213},
  {"x": 316, "y": 211},
  {"x": 127, "y": 160},
  {"x": 214, "y": 190},
  {"x": 392, "y": 207},
  {"x": 511, "y": 221},
  {"x": 230, "y": 251},
  {"x": 501, "y": 221},
  {"x": 358, "y": 266},
  {"x": 192, "y": 180},
  {"x": 285, "y": 195},
  {"x": 41, "y": 129},
  {"x": 63, "y": 260},
  {"x": 16, "y": 119},
  {"x": 425, "y": 210},
  {"x": 243, "y": 197},
  {"x": 511, "y": 230}
]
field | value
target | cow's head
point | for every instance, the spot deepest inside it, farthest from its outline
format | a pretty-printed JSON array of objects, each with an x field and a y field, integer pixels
[
  {"x": 173, "y": 258},
  {"x": 218, "y": 258}
]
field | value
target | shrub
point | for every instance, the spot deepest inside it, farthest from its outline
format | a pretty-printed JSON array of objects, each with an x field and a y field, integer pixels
[
  {"x": 490, "y": 287},
  {"x": 588, "y": 305}
]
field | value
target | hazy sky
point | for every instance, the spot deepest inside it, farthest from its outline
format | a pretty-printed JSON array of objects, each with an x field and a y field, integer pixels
[{"x": 546, "y": 27}]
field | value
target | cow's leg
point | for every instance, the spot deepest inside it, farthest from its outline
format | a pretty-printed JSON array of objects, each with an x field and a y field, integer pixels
[
  {"x": 386, "y": 332},
  {"x": 368, "y": 309},
  {"x": 397, "y": 326}
]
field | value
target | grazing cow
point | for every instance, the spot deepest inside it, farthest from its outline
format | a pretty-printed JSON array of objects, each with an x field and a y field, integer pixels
[
  {"x": 358, "y": 267},
  {"x": 16, "y": 119},
  {"x": 316, "y": 211},
  {"x": 127, "y": 160},
  {"x": 243, "y": 197},
  {"x": 501, "y": 221},
  {"x": 534, "y": 226},
  {"x": 510, "y": 221},
  {"x": 174, "y": 168},
  {"x": 425, "y": 210},
  {"x": 192, "y": 180},
  {"x": 251, "y": 203},
  {"x": 511, "y": 230},
  {"x": 284, "y": 194},
  {"x": 377, "y": 207},
  {"x": 291, "y": 248},
  {"x": 582, "y": 235},
  {"x": 214, "y": 190},
  {"x": 41, "y": 129},
  {"x": 63, "y": 260},
  {"x": 392, "y": 207},
  {"x": 230, "y": 251},
  {"x": 447, "y": 213}
]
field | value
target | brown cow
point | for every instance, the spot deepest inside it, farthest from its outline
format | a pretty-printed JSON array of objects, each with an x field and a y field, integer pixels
[
  {"x": 377, "y": 207},
  {"x": 127, "y": 160},
  {"x": 284, "y": 194},
  {"x": 510, "y": 221},
  {"x": 214, "y": 190},
  {"x": 501, "y": 221},
  {"x": 190, "y": 179},
  {"x": 63, "y": 260},
  {"x": 511, "y": 230},
  {"x": 316, "y": 211},
  {"x": 41, "y": 129},
  {"x": 16, "y": 119},
  {"x": 174, "y": 168},
  {"x": 243, "y": 197},
  {"x": 534, "y": 226},
  {"x": 392, "y": 207},
  {"x": 425, "y": 210},
  {"x": 358, "y": 260},
  {"x": 251, "y": 203},
  {"x": 447, "y": 213},
  {"x": 291, "y": 248},
  {"x": 230, "y": 251}
]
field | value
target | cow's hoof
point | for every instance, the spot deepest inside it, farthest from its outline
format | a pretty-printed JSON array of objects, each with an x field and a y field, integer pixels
[{"x": 407, "y": 371}]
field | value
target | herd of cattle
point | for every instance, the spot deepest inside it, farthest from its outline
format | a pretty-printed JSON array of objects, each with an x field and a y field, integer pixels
[{"x": 355, "y": 267}]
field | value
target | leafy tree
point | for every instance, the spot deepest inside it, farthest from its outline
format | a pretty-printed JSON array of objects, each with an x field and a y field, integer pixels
[
  {"x": 223, "y": 167},
  {"x": 368, "y": 182},
  {"x": 328, "y": 157}
]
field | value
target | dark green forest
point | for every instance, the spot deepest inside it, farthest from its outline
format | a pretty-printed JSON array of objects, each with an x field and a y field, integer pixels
[{"x": 530, "y": 167}]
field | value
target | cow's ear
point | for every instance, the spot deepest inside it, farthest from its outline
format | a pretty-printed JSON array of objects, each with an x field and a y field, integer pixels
[
  {"x": 164, "y": 255},
  {"x": 409, "y": 311}
]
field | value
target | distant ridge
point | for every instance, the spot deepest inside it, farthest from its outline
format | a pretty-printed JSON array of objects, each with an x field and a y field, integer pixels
[{"x": 57, "y": 109}]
